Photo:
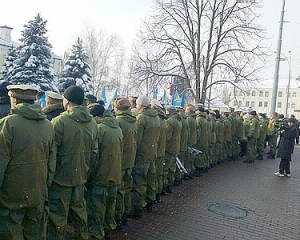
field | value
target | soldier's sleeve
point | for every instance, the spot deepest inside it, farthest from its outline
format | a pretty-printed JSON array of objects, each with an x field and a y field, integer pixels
[
  {"x": 5, "y": 148},
  {"x": 51, "y": 161}
]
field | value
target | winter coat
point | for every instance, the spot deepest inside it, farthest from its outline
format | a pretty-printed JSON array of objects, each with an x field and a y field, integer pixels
[
  {"x": 254, "y": 128},
  {"x": 28, "y": 157},
  {"x": 75, "y": 136},
  {"x": 220, "y": 130},
  {"x": 4, "y": 107},
  {"x": 227, "y": 130},
  {"x": 110, "y": 139},
  {"x": 286, "y": 142},
  {"x": 184, "y": 136},
  {"x": 148, "y": 134},
  {"x": 239, "y": 133},
  {"x": 262, "y": 129},
  {"x": 53, "y": 110},
  {"x": 127, "y": 122},
  {"x": 173, "y": 134},
  {"x": 191, "y": 119},
  {"x": 272, "y": 127},
  {"x": 162, "y": 133},
  {"x": 213, "y": 135},
  {"x": 202, "y": 132}
]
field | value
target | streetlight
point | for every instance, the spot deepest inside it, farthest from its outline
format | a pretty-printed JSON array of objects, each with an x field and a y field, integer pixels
[{"x": 289, "y": 83}]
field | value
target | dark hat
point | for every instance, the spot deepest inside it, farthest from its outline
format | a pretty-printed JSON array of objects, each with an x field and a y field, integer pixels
[
  {"x": 201, "y": 109},
  {"x": 74, "y": 94},
  {"x": 171, "y": 109},
  {"x": 91, "y": 97},
  {"x": 122, "y": 104},
  {"x": 97, "y": 110},
  {"x": 3, "y": 89},
  {"x": 24, "y": 92},
  {"x": 253, "y": 113},
  {"x": 292, "y": 120},
  {"x": 262, "y": 115}
]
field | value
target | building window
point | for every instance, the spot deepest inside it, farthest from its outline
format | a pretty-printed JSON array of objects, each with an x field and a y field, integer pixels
[
  {"x": 235, "y": 102},
  {"x": 252, "y": 104},
  {"x": 241, "y": 93},
  {"x": 280, "y": 94},
  {"x": 253, "y": 93},
  {"x": 261, "y": 93},
  {"x": 240, "y": 103},
  {"x": 265, "y": 104},
  {"x": 289, "y": 105},
  {"x": 260, "y": 104},
  {"x": 279, "y": 104},
  {"x": 293, "y": 105},
  {"x": 248, "y": 93},
  {"x": 266, "y": 94},
  {"x": 294, "y": 94},
  {"x": 247, "y": 103}
]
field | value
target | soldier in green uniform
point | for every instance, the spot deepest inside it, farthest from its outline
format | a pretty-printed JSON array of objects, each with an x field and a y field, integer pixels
[
  {"x": 262, "y": 136},
  {"x": 159, "y": 162},
  {"x": 147, "y": 143},
  {"x": 192, "y": 138},
  {"x": 213, "y": 138},
  {"x": 127, "y": 123},
  {"x": 183, "y": 155},
  {"x": 227, "y": 136},
  {"x": 27, "y": 165},
  {"x": 272, "y": 132},
  {"x": 75, "y": 136},
  {"x": 252, "y": 137},
  {"x": 173, "y": 134},
  {"x": 105, "y": 175}
]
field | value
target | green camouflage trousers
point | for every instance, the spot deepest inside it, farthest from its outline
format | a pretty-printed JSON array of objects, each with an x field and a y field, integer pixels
[
  {"x": 25, "y": 223},
  {"x": 101, "y": 202},
  {"x": 159, "y": 165},
  {"x": 123, "y": 201},
  {"x": 64, "y": 203},
  {"x": 169, "y": 170},
  {"x": 144, "y": 183}
]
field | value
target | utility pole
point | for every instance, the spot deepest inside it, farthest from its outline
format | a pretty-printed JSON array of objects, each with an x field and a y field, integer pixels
[
  {"x": 289, "y": 83},
  {"x": 276, "y": 75}
]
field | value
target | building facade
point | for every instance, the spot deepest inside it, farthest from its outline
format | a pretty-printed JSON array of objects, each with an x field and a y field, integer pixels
[{"x": 260, "y": 100}]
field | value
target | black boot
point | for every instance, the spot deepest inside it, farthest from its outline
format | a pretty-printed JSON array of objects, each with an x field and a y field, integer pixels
[
  {"x": 169, "y": 189},
  {"x": 135, "y": 214},
  {"x": 157, "y": 198},
  {"x": 164, "y": 192},
  {"x": 149, "y": 207},
  {"x": 119, "y": 223},
  {"x": 260, "y": 157},
  {"x": 272, "y": 156},
  {"x": 125, "y": 219},
  {"x": 176, "y": 183}
]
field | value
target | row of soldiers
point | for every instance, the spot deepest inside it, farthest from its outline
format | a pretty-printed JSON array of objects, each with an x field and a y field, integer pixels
[{"x": 93, "y": 168}]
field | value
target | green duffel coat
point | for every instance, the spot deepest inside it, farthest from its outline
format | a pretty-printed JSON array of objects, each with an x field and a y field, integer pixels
[
  {"x": 75, "y": 136},
  {"x": 27, "y": 157},
  {"x": 148, "y": 134},
  {"x": 191, "y": 119},
  {"x": 162, "y": 134},
  {"x": 110, "y": 140},
  {"x": 127, "y": 123},
  {"x": 174, "y": 127}
]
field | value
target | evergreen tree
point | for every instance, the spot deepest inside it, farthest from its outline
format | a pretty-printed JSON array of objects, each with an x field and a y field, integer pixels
[
  {"x": 32, "y": 64},
  {"x": 76, "y": 70},
  {"x": 8, "y": 69}
]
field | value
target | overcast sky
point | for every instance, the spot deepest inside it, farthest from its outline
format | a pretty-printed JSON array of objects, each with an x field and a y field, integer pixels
[{"x": 66, "y": 19}]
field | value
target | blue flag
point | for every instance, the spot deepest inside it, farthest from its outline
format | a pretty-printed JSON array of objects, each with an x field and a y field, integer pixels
[
  {"x": 103, "y": 95},
  {"x": 164, "y": 99},
  {"x": 178, "y": 101},
  {"x": 155, "y": 92},
  {"x": 115, "y": 96}
]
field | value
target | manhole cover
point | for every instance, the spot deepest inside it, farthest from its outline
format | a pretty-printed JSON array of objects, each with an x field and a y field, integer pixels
[{"x": 228, "y": 210}]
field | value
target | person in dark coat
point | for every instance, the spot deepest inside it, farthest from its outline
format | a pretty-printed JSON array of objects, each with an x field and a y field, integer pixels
[
  {"x": 286, "y": 147},
  {"x": 4, "y": 99}
]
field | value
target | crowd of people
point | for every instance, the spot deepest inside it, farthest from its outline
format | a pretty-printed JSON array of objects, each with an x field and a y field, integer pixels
[{"x": 76, "y": 163}]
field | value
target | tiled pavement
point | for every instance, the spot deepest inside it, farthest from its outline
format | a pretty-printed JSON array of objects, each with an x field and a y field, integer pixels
[{"x": 272, "y": 204}]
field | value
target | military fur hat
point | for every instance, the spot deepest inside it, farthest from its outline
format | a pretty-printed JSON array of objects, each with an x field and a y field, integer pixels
[
  {"x": 3, "y": 89},
  {"x": 143, "y": 100},
  {"x": 155, "y": 103},
  {"x": 171, "y": 109},
  {"x": 53, "y": 95},
  {"x": 24, "y": 92},
  {"x": 122, "y": 104}
]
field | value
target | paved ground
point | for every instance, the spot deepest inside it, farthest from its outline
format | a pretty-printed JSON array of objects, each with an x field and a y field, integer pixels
[{"x": 272, "y": 205}]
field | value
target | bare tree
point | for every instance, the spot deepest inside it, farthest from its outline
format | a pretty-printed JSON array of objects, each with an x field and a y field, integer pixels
[
  {"x": 106, "y": 58},
  {"x": 191, "y": 38}
]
